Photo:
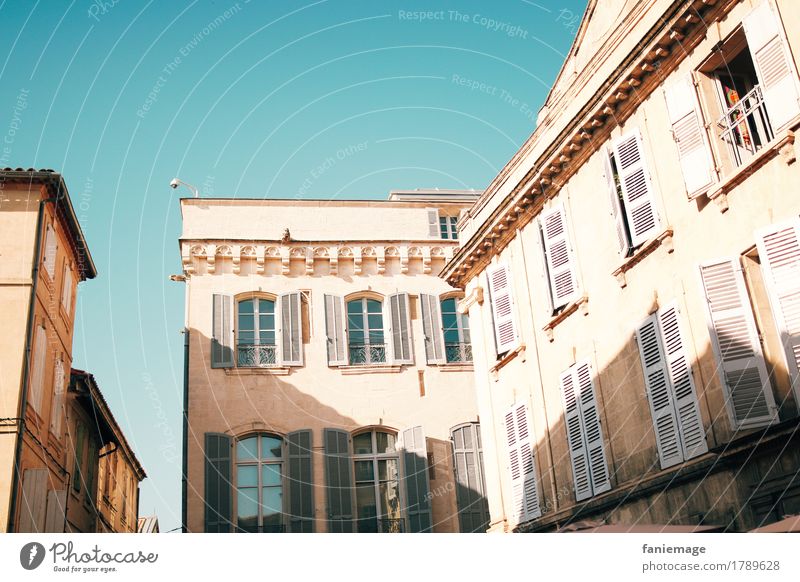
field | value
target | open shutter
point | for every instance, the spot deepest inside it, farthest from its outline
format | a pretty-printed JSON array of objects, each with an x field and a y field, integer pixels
[
  {"x": 291, "y": 329},
  {"x": 732, "y": 328},
  {"x": 400, "y": 320},
  {"x": 590, "y": 421},
  {"x": 37, "y": 374},
  {"x": 415, "y": 479},
  {"x": 779, "y": 251},
  {"x": 433, "y": 223},
  {"x": 56, "y": 510},
  {"x": 776, "y": 75},
  {"x": 473, "y": 509},
  {"x": 432, "y": 328},
  {"x": 689, "y": 135},
  {"x": 690, "y": 423},
  {"x": 524, "y": 493},
  {"x": 505, "y": 328},
  {"x": 560, "y": 265},
  {"x": 34, "y": 501},
  {"x": 637, "y": 190},
  {"x": 334, "y": 330},
  {"x": 623, "y": 241},
  {"x": 577, "y": 448},
  {"x": 218, "y": 485},
  {"x": 339, "y": 481},
  {"x": 50, "y": 249},
  {"x": 222, "y": 332},
  {"x": 301, "y": 482},
  {"x": 665, "y": 424},
  {"x": 57, "y": 412}
]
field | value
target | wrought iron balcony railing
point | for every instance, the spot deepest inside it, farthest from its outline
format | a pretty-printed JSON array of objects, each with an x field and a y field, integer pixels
[
  {"x": 367, "y": 354},
  {"x": 457, "y": 352},
  {"x": 265, "y": 528},
  {"x": 745, "y": 127},
  {"x": 256, "y": 356}
]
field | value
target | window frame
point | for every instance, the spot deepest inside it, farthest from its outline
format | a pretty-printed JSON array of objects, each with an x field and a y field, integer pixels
[
  {"x": 462, "y": 328},
  {"x": 375, "y": 457},
  {"x": 448, "y": 227},
  {"x": 256, "y": 331},
  {"x": 259, "y": 462},
  {"x": 366, "y": 330}
]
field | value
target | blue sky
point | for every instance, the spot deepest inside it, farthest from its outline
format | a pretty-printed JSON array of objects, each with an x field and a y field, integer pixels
[{"x": 248, "y": 99}]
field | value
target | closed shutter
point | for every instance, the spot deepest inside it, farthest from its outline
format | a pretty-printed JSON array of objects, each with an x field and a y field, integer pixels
[
  {"x": 56, "y": 509},
  {"x": 400, "y": 320},
  {"x": 301, "y": 482},
  {"x": 66, "y": 291},
  {"x": 291, "y": 329},
  {"x": 779, "y": 251},
  {"x": 50, "y": 249},
  {"x": 637, "y": 190},
  {"x": 593, "y": 435},
  {"x": 222, "y": 332},
  {"x": 56, "y": 412},
  {"x": 505, "y": 328},
  {"x": 339, "y": 480},
  {"x": 218, "y": 485},
  {"x": 415, "y": 479},
  {"x": 433, "y": 223},
  {"x": 577, "y": 447},
  {"x": 473, "y": 508},
  {"x": 335, "y": 330},
  {"x": 33, "y": 503},
  {"x": 772, "y": 61},
  {"x": 37, "y": 374},
  {"x": 742, "y": 370},
  {"x": 522, "y": 464},
  {"x": 432, "y": 328},
  {"x": 689, "y": 135},
  {"x": 560, "y": 265},
  {"x": 623, "y": 240}
]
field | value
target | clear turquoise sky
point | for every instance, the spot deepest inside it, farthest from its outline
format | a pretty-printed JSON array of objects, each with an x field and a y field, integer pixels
[{"x": 247, "y": 99}]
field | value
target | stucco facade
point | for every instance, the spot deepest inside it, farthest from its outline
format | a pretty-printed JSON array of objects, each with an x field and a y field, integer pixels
[{"x": 632, "y": 276}]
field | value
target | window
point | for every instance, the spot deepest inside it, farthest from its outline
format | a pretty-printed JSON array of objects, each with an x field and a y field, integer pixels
[
  {"x": 66, "y": 290},
  {"x": 473, "y": 507},
  {"x": 59, "y": 386},
  {"x": 502, "y": 305},
  {"x": 377, "y": 483},
  {"x": 255, "y": 333},
  {"x": 50, "y": 248},
  {"x": 559, "y": 262},
  {"x": 259, "y": 484},
  {"x": 455, "y": 328},
  {"x": 37, "y": 373},
  {"x": 365, "y": 338},
  {"x": 448, "y": 228},
  {"x": 78, "y": 445}
]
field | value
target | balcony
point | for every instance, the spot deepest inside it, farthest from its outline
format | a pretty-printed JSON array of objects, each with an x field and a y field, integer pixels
[
  {"x": 256, "y": 356},
  {"x": 367, "y": 354},
  {"x": 745, "y": 127},
  {"x": 457, "y": 352}
]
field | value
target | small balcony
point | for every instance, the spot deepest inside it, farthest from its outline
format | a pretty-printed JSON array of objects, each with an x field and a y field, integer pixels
[
  {"x": 367, "y": 354},
  {"x": 457, "y": 352},
  {"x": 256, "y": 356},
  {"x": 745, "y": 127}
]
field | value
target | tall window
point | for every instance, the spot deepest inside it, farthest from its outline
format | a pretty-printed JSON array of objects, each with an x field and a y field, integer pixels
[
  {"x": 447, "y": 227},
  {"x": 455, "y": 326},
  {"x": 377, "y": 474},
  {"x": 255, "y": 333},
  {"x": 365, "y": 338},
  {"x": 259, "y": 484}
]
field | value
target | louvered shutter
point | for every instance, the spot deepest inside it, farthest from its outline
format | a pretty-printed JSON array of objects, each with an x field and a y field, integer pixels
[
  {"x": 593, "y": 434},
  {"x": 415, "y": 479},
  {"x": 665, "y": 423},
  {"x": 37, "y": 374},
  {"x": 732, "y": 328},
  {"x": 623, "y": 240},
  {"x": 637, "y": 190},
  {"x": 779, "y": 251},
  {"x": 56, "y": 412},
  {"x": 505, "y": 328},
  {"x": 291, "y": 329},
  {"x": 222, "y": 332},
  {"x": 776, "y": 74},
  {"x": 218, "y": 485},
  {"x": 33, "y": 503},
  {"x": 400, "y": 320},
  {"x": 433, "y": 223},
  {"x": 301, "y": 482},
  {"x": 50, "y": 249},
  {"x": 339, "y": 481},
  {"x": 577, "y": 448},
  {"x": 335, "y": 330},
  {"x": 690, "y": 423},
  {"x": 432, "y": 328},
  {"x": 689, "y": 135},
  {"x": 473, "y": 509},
  {"x": 522, "y": 464},
  {"x": 56, "y": 508},
  {"x": 558, "y": 254}
]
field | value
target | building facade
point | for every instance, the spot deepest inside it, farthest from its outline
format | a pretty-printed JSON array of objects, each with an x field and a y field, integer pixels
[
  {"x": 632, "y": 278},
  {"x": 327, "y": 368}
]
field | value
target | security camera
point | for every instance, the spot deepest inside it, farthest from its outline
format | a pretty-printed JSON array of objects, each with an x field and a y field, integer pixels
[{"x": 174, "y": 183}]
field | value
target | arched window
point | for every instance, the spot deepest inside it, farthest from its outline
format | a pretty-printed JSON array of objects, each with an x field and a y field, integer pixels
[
  {"x": 365, "y": 339},
  {"x": 455, "y": 327},
  {"x": 376, "y": 465},
  {"x": 255, "y": 333},
  {"x": 259, "y": 484}
]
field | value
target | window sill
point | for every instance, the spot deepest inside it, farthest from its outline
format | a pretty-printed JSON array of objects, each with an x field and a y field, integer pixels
[
  {"x": 456, "y": 367},
  {"x": 375, "y": 369},
  {"x": 782, "y": 145},
  {"x": 581, "y": 303},
  {"x": 664, "y": 239},
  {"x": 272, "y": 371},
  {"x": 519, "y": 351}
]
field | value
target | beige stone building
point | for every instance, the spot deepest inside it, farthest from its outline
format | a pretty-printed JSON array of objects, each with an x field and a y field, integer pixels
[
  {"x": 632, "y": 278},
  {"x": 329, "y": 376}
]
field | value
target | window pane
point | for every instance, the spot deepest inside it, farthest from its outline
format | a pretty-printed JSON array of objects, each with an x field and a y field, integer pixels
[
  {"x": 464, "y": 320},
  {"x": 364, "y": 471},
  {"x": 390, "y": 499},
  {"x": 271, "y": 474},
  {"x": 375, "y": 322},
  {"x": 247, "y": 509},
  {"x": 374, "y": 306},
  {"x": 387, "y": 469},
  {"x": 247, "y": 449},
  {"x": 270, "y": 447},
  {"x": 246, "y": 306},
  {"x": 385, "y": 441},
  {"x": 362, "y": 443},
  {"x": 266, "y": 306},
  {"x": 449, "y": 305},
  {"x": 247, "y": 476},
  {"x": 245, "y": 320},
  {"x": 272, "y": 499},
  {"x": 267, "y": 338},
  {"x": 246, "y": 337},
  {"x": 450, "y": 327},
  {"x": 354, "y": 307},
  {"x": 366, "y": 509},
  {"x": 266, "y": 322}
]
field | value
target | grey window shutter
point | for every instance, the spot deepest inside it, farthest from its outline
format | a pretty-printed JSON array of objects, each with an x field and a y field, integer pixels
[
  {"x": 218, "y": 485},
  {"x": 590, "y": 423},
  {"x": 301, "y": 482},
  {"x": 623, "y": 241},
  {"x": 432, "y": 328},
  {"x": 222, "y": 334},
  {"x": 637, "y": 189},
  {"x": 522, "y": 464},
  {"x": 558, "y": 256},
  {"x": 570, "y": 395},
  {"x": 400, "y": 320},
  {"x": 33, "y": 503},
  {"x": 433, "y": 223},
  {"x": 335, "y": 330},
  {"x": 339, "y": 481},
  {"x": 473, "y": 508},
  {"x": 291, "y": 340},
  {"x": 55, "y": 520},
  {"x": 741, "y": 366},
  {"x": 415, "y": 479}
]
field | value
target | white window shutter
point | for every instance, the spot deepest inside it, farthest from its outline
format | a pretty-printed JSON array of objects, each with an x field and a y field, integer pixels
[
  {"x": 56, "y": 411},
  {"x": 414, "y": 449},
  {"x": 689, "y": 134},
  {"x": 33, "y": 501},
  {"x": 623, "y": 241},
  {"x": 505, "y": 327},
  {"x": 593, "y": 434},
  {"x": 558, "y": 254},
  {"x": 291, "y": 332},
  {"x": 684, "y": 396},
  {"x": 50, "y": 249},
  {"x": 66, "y": 292},
  {"x": 522, "y": 464},
  {"x": 779, "y": 251},
  {"x": 432, "y": 328},
  {"x": 55, "y": 519},
  {"x": 575, "y": 438},
  {"x": 741, "y": 366},
  {"x": 335, "y": 330},
  {"x": 37, "y": 374},
  {"x": 400, "y": 321},
  {"x": 776, "y": 74},
  {"x": 433, "y": 223},
  {"x": 637, "y": 189}
]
